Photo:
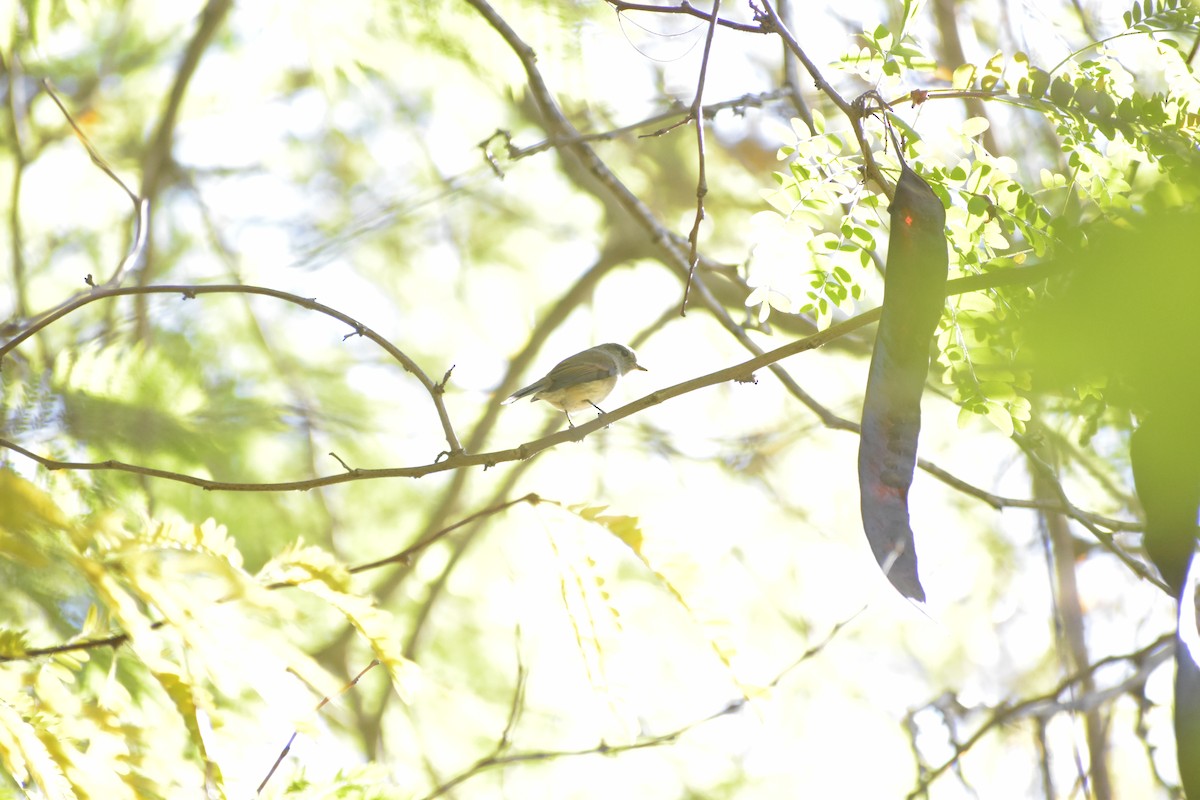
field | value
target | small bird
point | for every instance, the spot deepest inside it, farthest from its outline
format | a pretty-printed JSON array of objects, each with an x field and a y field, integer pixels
[{"x": 582, "y": 380}]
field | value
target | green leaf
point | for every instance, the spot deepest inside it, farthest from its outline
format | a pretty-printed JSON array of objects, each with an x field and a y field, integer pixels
[
  {"x": 964, "y": 77},
  {"x": 999, "y": 416},
  {"x": 818, "y": 120},
  {"x": 25, "y": 756},
  {"x": 1039, "y": 82},
  {"x": 978, "y": 206},
  {"x": 974, "y": 126},
  {"x": 1061, "y": 91}
]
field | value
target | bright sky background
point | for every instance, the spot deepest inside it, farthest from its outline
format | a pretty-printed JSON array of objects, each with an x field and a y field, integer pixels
[{"x": 752, "y": 569}]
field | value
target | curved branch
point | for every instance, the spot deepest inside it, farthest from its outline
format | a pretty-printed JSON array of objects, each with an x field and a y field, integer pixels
[{"x": 191, "y": 291}]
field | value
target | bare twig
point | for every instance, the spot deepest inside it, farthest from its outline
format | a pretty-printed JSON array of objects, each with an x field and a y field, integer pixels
[
  {"x": 816, "y": 649},
  {"x": 499, "y": 758},
  {"x": 702, "y": 176},
  {"x": 1105, "y": 539},
  {"x": 141, "y": 206},
  {"x": 324, "y": 701},
  {"x": 517, "y": 704},
  {"x": 677, "y": 116},
  {"x": 406, "y": 555},
  {"x": 689, "y": 10},
  {"x": 92, "y": 152},
  {"x": 1045, "y": 706}
]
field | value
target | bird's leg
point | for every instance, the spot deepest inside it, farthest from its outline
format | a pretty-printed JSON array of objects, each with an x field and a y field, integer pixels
[
  {"x": 598, "y": 408},
  {"x": 569, "y": 423}
]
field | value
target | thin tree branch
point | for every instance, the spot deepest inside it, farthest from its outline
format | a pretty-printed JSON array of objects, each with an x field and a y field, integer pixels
[
  {"x": 158, "y": 155},
  {"x": 738, "y": 372},
  {"x": 1045, "y": 706},
  {"x": 192, "y": 291},
  {"x": 500, "y": 758},
  {"x": 677, "y": 116},
  {"x": 702, "y": 175},
  {"x": 686, "y": 8},
  {"x": 1105, "y": 539},
  {"x": 406, "y": 555},
  {"x": 141, "y": 206},
  {"x": 855, "y": 112},
  {"x": 92, "y": 152},
  {"x": 324, "y": 702},
  {"x": 775, "y": 24}
]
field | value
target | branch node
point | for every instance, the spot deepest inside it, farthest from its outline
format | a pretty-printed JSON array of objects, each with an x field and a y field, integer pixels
[{"x": 489, "y": 156}]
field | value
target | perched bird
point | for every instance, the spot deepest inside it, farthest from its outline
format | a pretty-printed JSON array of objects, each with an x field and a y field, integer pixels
[{"x": 582, "y": 380}]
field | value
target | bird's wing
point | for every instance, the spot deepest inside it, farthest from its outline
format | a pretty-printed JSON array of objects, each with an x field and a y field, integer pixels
[
  {"x": 571, "y": 374},
  {"x": 537, "y": 386}
]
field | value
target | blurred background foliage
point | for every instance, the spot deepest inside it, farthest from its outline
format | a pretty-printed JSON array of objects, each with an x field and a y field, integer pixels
[{"x": 679, "y": 605}]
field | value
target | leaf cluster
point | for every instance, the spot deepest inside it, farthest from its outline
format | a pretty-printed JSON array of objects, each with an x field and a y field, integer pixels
[{"x": 169, "y": 633}]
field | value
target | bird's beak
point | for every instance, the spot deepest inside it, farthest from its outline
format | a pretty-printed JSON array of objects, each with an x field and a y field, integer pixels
[{"x": 639, "y": 366}]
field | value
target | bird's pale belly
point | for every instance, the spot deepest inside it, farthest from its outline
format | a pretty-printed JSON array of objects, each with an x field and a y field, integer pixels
[{"x": 579, "y": 396}]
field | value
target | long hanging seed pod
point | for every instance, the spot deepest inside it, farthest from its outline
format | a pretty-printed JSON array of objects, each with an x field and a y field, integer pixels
[{"x": 914, "y": 294}]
